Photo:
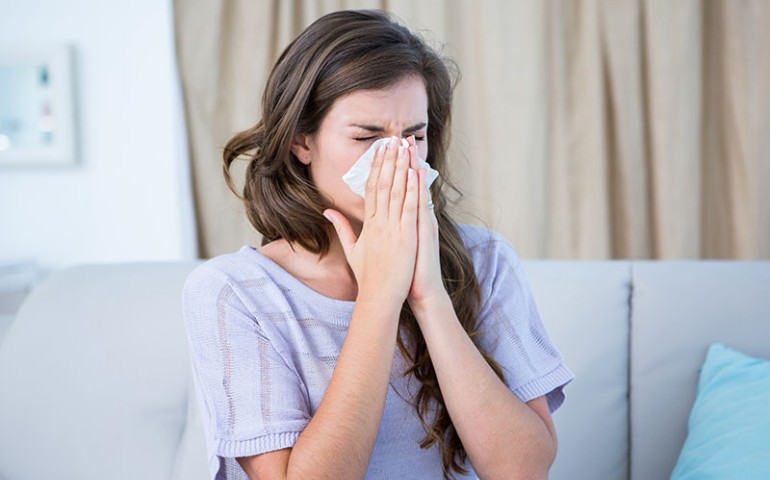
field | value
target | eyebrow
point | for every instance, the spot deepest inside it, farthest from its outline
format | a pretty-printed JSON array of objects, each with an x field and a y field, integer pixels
[{"x": 375, "y": 128}]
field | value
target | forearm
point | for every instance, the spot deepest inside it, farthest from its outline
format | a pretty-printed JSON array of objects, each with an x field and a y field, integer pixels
[
  {"x": 339, "y": 440},
  {"x": 504, "y": 437}
]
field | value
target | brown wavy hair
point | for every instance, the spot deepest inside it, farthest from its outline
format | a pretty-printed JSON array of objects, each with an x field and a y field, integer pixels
[{"x": 339, "y": 53}]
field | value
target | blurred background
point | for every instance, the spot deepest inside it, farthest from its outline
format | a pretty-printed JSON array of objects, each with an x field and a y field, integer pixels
[{"x": 582, "y": 129}]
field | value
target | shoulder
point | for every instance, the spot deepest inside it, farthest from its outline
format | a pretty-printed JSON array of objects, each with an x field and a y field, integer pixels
[
  {"x": 489, "y": 250},
  {"x": 221, "y": 269},
  {"x": 477, "y": 237},
  {"x": 238, "y": 279}
]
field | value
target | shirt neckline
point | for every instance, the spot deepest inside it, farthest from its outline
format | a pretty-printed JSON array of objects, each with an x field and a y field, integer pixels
[{"x": 295, "y": 283}]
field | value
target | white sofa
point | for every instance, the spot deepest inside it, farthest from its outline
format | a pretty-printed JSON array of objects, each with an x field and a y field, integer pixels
[{"x": 95, "y": 380}]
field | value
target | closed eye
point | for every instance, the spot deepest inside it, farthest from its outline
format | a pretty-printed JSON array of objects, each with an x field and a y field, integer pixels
[{"x": 366, "y": 139}]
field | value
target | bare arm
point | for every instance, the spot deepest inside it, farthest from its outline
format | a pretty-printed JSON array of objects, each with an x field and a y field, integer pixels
[
  {"x": 339, "y": 440},
  {"x": 504, "y": 437}
]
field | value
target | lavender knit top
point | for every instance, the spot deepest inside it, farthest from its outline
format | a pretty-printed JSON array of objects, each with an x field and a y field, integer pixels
[{"x": 263, "y": 347}]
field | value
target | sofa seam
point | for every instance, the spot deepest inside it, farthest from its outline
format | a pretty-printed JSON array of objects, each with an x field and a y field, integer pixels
[{"x": 630, "y": 320}]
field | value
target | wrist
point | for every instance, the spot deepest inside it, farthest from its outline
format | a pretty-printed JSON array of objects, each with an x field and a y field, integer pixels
[
  {"x": 379, "y": 301},
  {"x": 427, "y": 305}
]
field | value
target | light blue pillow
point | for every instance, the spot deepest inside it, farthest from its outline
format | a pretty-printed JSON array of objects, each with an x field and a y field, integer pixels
[{"x": 729, "y": 427}]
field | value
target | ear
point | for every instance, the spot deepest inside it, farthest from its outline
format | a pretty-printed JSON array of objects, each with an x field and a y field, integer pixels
[{"x": 300, "y": 147}]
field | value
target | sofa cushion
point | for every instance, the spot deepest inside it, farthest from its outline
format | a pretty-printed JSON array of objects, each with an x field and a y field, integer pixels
[
  {"x": 94, "y": 374},
  {"x": 727, "y": 432},
  {"x": 679, "y": 309},
  {"x": 585, "y": 308},
  {"x": 190, "y": 461}
]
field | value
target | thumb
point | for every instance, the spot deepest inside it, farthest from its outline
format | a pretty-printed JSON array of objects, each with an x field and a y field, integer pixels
[{"x": 343, "y": 228}]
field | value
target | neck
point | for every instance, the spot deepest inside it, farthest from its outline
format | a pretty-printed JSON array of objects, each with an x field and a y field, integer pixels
[{"x": 333, "y": 262}]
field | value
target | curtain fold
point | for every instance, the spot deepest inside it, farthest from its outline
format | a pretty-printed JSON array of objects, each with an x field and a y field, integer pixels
[
  {"x": 673, "y": 72},
  {"x": 588, "y": 129}
]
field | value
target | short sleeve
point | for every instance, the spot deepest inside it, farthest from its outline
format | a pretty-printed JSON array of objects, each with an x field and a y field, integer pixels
[
  {"x": 251, "y": 400},
  {"x": 512, "y": 331}
]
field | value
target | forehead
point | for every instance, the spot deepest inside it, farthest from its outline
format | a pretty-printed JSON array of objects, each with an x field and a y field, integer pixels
[{"x": 404, "y": 103}]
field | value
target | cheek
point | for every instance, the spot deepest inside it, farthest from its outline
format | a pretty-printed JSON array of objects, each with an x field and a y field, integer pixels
[
  {"x": 346, "y": 160},
  {"x": 335, "y": 160}
]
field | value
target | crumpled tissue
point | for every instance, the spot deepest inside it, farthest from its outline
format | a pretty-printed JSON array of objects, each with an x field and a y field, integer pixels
[{"x": 358, "y": 174}]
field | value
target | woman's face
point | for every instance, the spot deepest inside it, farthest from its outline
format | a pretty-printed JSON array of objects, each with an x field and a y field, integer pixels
[{"x": 353, "y": 123}]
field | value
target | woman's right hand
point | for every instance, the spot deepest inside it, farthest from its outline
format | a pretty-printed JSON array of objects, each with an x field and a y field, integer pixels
[{"x": 383, "y": 256}]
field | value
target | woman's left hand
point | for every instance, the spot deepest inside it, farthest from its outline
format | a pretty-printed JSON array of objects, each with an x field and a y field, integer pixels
[{"x": 427, "y": 283}]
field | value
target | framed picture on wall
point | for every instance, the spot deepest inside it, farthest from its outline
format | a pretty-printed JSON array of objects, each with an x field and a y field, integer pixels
[{"x": 36, "y": 107}]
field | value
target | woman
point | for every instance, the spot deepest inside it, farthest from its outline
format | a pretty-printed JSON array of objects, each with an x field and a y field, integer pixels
[{"x": 367, "y": 337}]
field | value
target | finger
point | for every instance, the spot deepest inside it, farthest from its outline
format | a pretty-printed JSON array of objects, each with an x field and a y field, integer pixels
[
  {"x": 398, "y": 189},
  {"x": 409, "y": 213},
  {"x": 385, "y": 180},
  {"x": 425, "y": 200},
  {"x": 370, "y": 192},
  {"x": 414, "y": 159},
  {"x": 343, "y": 228}
]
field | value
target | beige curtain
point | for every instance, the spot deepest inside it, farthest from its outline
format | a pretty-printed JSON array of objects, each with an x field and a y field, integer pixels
[{"x": 582, "y": 128}]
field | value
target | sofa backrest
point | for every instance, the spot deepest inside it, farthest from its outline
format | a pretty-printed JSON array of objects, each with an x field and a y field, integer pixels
[
  {"x": 585, "y": 307},
  {"x": 95, "y": 379},
  {"x": 679, "y": 309}
]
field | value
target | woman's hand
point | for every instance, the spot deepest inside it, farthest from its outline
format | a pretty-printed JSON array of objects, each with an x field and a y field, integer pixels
[
  {"x": 383, "y": 256},
  {"x": 427, "y": 282}
]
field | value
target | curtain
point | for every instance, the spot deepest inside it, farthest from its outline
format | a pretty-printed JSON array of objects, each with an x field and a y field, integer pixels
[{"x": 582, "y": 129}]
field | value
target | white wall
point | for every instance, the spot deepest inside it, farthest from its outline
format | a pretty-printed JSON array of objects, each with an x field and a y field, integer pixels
[{"x": 127, "y": 198}]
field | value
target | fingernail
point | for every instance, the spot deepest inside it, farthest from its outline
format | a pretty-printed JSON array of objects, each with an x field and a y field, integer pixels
[
  {"x": 329, "y": 217},
  {"x": 393, "y": 141},
  {"x": 381, "y": 149},
  {"x": 411, "y": 174},
  {"x": 401, "y": 151}
]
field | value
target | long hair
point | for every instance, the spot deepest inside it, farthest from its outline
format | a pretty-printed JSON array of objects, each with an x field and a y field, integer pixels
[{"x": 340, "y": 53}]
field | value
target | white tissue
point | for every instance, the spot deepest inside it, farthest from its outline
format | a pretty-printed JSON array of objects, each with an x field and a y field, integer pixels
[{"x": 358, "y": 174}]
